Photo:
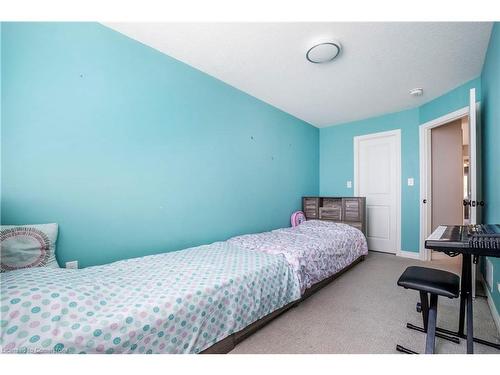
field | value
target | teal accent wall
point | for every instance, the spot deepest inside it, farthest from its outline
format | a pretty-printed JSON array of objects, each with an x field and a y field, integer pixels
[
  {"x": 337, "y": 163},
  {"x": 337, "y": 153},
  {"x": 450, "y": 101},
  {"x": 133, "y": 152},
  {"x": 490, "y": 80}
]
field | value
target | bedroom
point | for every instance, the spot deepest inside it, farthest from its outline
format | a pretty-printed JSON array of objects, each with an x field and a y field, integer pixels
[{"x": 157, "y": 165}]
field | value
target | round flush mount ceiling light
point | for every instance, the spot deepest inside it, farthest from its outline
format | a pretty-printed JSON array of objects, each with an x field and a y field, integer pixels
[{"x": 323, "y": 52}]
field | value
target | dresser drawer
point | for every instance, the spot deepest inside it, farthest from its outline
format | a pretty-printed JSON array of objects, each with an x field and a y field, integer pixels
[
  {"x": 311, "y": 202},
  {"x": 352, "y": 209},
  {"x": 330, "y": 213},
  {"x": 311, "y": 214},
  {"x": 332, "y": 203},
  {"x": 310, "y": 207}
]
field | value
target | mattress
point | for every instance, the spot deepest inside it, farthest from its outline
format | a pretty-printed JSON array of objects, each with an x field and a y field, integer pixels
[
  {"x": 178, "y": 302},
  {"x": 314, "y": 249}
]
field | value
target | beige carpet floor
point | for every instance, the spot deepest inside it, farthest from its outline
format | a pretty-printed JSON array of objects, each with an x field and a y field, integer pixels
[{"x": 364, "y": 311}]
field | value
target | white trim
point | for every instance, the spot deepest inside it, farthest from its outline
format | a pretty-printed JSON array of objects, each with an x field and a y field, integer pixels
[
  {"x": 425, "y": 181},
  {"x": 491, "y": 304},
  {"x": 459, "y": 113},
  {"x": 473, "y": 156},
  {"x": 397, "y": 134},
  {"x": 409, "y": 254}
]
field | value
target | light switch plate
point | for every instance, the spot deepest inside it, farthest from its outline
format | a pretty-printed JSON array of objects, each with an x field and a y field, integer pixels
[
  {"x": 411, "y": 181},
  {"x": 349, "y": 184},
  {"x": 73, "y": 264}
]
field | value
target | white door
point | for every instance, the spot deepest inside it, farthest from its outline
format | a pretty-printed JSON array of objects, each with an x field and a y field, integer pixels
[
  {"x": 475, "y": 203},
  {"x": 377, "y": 171},
  {"x": 474, "y": 162}
]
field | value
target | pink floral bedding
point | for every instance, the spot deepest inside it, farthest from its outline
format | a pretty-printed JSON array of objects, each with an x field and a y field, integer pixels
[{"x": 315, "y": 249}]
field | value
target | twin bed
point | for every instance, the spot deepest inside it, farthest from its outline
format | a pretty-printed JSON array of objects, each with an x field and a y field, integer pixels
[{"x": 202, "y": 299}]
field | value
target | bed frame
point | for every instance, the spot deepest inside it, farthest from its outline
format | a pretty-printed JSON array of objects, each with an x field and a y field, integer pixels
[{"x": 226, "y": 345}]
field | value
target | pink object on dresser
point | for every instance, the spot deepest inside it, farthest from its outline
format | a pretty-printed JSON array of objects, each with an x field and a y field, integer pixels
[{"x": 297, "y": 218}]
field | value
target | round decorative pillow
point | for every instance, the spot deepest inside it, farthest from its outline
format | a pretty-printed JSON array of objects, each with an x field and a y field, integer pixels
[
  {"x": 27, "y": 246},
  {"x": 297, "y": 218}
]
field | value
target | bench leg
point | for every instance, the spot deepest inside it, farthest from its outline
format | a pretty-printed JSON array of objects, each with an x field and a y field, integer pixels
[
  {"x": 453, "y": 339},
  {"x": 431, "y": 325},
  {"x": 402, "y": 349},
  {"x": 424, "y": 305}
]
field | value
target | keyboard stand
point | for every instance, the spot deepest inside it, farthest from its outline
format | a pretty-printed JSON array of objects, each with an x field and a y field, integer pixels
[
  {"x": 471, "y": 241},
  {"x": 465, "y": 304}
]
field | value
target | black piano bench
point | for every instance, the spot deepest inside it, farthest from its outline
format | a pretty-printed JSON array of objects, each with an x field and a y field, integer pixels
[{"x": 429, "y": 281}]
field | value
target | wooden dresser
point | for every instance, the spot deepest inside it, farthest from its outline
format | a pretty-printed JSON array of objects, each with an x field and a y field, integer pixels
[{"x": 348, "y": 210}]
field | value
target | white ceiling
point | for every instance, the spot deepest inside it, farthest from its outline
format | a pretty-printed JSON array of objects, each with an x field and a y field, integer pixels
[{"x": 379, "y": 64}]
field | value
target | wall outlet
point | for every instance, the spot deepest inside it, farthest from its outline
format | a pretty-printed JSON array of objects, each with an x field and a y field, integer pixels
[
  {"x": 349, "y": 184},
  {"x": 73, "y": 264},
  {"x": 411, "y": 181}
]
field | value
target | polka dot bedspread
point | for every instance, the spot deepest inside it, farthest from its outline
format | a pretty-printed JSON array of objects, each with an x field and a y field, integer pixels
[{"x": 178, "y": 302}]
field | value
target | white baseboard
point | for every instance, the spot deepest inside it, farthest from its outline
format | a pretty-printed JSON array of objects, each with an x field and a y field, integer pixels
[
  {"x": 491, "y": 304},
  {"x": 409, "y": 254}
]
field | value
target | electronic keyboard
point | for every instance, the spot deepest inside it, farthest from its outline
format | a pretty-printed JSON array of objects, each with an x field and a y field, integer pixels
[{"x": 480, "y": 239}]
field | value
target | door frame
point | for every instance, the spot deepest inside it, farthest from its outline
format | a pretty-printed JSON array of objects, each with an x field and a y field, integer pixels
[
  {"x": 425, "y": 171},
  {"x": 389, "y": 133}
]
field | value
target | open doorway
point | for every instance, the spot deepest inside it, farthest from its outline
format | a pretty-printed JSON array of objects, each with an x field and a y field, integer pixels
[
  {"x": 466, "y": 163},
  {"x": 449, "y": 173},
  {"x": 461, "y": 164}
]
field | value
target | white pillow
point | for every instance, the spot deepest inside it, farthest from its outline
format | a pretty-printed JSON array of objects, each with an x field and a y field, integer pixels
[{"x": 26, "y": 246}]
